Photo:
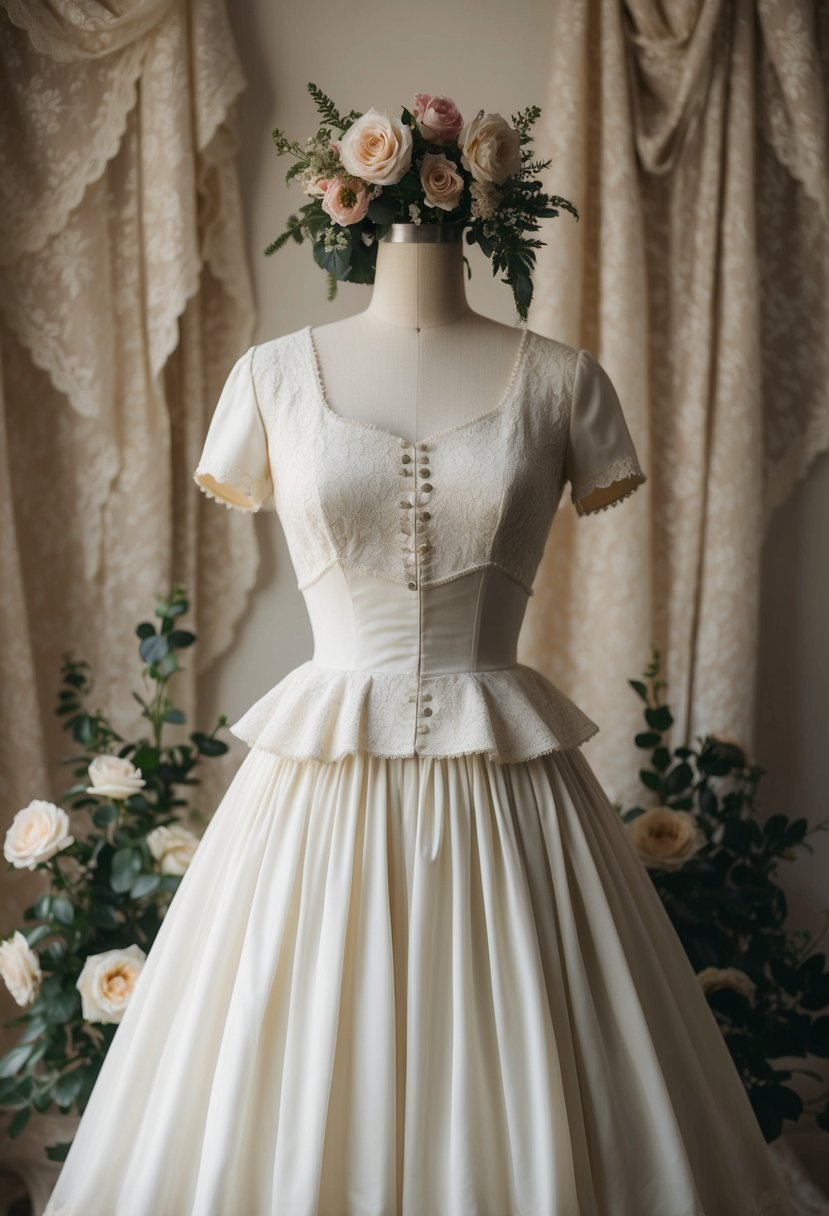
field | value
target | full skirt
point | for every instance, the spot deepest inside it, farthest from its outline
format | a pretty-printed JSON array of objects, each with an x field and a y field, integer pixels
[{"x": 417, "y": 987}]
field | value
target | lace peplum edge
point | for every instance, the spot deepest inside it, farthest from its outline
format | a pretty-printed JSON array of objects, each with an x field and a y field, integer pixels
[{"x": 324, "y": 714}]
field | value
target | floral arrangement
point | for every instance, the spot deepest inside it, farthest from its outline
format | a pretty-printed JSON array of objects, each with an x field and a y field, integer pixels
[
  {"x": 714, "y": 867},
  {"x": 75, "y": 970},
  {"x": 428, "y": 165}
]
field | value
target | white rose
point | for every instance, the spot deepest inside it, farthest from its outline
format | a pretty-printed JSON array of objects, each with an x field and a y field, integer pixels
[
  {"x": 107, "y": 981},
  {"x": 377, "y": 148},
  {"x": 173, "y": 846},
  {"x": 712, "y": 978},
  {"x": 664, "y": 838},
  {"x": 20, "y": 968},
  {"x": 114, "y": 777},
  {"x": 36, "y": 833},
  {"x": 491, "y": 148}
]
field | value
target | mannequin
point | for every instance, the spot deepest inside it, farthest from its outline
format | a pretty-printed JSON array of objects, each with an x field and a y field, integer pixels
[{"x": 419, "y": 360}]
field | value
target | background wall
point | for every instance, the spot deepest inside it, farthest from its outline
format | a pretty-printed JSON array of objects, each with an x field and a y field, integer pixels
[{"x": 462, "y": 51}]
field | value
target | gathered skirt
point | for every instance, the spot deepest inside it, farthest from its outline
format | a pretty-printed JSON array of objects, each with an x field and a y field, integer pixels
[{"x": 417, "y": 987}]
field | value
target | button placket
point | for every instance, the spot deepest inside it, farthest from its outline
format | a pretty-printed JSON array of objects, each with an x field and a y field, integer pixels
[{"x": 407, "y": 513}]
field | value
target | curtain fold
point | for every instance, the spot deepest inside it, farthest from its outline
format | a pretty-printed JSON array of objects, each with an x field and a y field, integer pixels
[{"x": 692, "y": 138}]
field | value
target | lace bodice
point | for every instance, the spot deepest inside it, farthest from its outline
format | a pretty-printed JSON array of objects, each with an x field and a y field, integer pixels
[{"x": 416, "y": 559}]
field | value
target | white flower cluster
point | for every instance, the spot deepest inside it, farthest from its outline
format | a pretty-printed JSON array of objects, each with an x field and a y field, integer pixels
[{"x": 486, "y": 199}]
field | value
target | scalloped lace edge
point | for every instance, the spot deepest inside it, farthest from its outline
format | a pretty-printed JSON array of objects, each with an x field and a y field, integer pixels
[
  {"x": 617, "y": 471},
  {"x": 254, "y": 488}
]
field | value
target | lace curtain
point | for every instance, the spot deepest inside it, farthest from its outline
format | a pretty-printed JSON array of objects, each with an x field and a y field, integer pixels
[
  {"x": 693, "y": 139},
  {"x": 124, "y": 299}
]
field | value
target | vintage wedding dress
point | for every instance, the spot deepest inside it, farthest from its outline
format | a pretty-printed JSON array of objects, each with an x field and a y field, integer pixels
[{"x": 415, "y": 967}]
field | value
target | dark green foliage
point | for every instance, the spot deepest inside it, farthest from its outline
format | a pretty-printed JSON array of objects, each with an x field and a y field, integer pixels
[
  {"x": 727, "y": 907},
  {"x": 106, "y": 891}
]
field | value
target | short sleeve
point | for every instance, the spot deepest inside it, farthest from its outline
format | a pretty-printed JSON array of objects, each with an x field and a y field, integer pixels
[
  {"x": 601, "y": 462},
  {"x": 234, "y": 468}
]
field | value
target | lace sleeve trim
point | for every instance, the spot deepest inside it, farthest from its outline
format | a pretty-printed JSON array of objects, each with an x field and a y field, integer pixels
[
  {"x": 257, "y": 490},
  {"x": 619, "y": 470}
]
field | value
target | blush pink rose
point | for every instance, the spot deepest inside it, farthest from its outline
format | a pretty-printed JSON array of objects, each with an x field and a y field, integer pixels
[
  {"x": 441, "y": 182},
  {"x": 438, "y": 118},
  {"x": 345, "y": 200}
]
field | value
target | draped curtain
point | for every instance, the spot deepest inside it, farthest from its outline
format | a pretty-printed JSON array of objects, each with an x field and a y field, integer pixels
[
  {"x": 692, "y": 137},
  {"x": 124, "y": 299}
]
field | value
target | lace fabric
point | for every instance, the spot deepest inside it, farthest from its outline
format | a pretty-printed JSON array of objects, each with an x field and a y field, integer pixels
[{"x": 418, "y": 517}]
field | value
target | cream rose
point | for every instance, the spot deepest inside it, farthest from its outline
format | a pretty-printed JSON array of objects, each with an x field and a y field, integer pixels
[
  {"x": 107, "y": 981},
  {"x": 37, "y": 832},
  {"x": 712, "y": 978},
  {"x": 114, "y": 777},
  {"x": 346, "y": 201},
  {"x": 20, "y": 968},
  {"x": 438, "y": 118},
  {"x": 491, "y": 148},
  {"x": 172, "y": 846},
  {"x": 664, "y": 838},
  {"x": 441, "y": 182},
  {"x": 377, "y": 148}
]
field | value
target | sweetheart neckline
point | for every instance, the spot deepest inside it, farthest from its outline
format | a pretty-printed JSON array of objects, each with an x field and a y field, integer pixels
[{"x": 324, "y": 402}]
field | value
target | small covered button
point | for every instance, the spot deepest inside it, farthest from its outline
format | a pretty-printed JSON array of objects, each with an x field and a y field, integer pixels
[{"x": 427, "y": 485}]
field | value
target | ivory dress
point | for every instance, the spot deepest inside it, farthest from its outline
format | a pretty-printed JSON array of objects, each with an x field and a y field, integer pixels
[{"x": 415, "y": 967}]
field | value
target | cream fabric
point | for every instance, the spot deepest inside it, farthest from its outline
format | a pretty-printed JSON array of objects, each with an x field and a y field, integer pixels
[
  {"x": 417, "y": 987},
  {"x": 124, "y": 298},
  {"x": 417, "y": 571},
  {"x": 692, "y": 136}
]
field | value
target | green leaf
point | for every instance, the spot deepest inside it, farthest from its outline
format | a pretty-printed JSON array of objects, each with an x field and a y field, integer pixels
[
  {"x": 145, "y": 630},
  {"x": 153, "y": 649},
  {"x": 103, "y": 816},
  {"x": 59, "y": 1151},
  {"x": 647, "y": 739},
  {"x": 661, "y": 759},
  {"x": 63, "y": 910},
  {"x": 67, "y": 1087},
  {"x": 14, "y": 1060},
  {"x": 175, "y": 715},
  {"x": 639, "y": 688},
  {"x": 127, "y": 864},
  {"x": 144, "y": 884},
  {"x": 19, "y": 1121},
  {"x": 652, "y": 780},
  {"x": 818, "y": 1038},
  {"x": 208, "y": 746},
  {"x": 659, "y": 718},
  {"x": 679, "y": 778}
]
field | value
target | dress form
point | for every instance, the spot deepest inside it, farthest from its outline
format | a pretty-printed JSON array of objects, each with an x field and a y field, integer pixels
[{"x": 418, "y": 360}]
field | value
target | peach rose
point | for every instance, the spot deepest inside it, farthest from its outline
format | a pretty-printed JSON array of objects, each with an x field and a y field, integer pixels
[
  {"x": 712, "y": 978},
  {"x": 172, "y": 846},
  {"x": 491, "y": 148},
  {"x": 346, "y": 200},
  {"x": 441, "y": 182},
  {"x": 438, "y": 118},
  {"x": 107, "y": 981},
  {"x": 377, "y": 148},
  {"x": 20, "y": 968},
  {"x": 664, "y": 838},
  {"x": 37, "y": 832}
]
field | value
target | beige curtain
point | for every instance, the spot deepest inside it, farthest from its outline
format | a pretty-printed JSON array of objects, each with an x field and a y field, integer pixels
[
  {"x": 693, "y": 139},
  {"x": 124, "y": 299}
]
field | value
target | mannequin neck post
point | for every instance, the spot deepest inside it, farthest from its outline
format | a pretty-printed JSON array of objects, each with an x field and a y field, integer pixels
[{"x": 418, "y": 282}]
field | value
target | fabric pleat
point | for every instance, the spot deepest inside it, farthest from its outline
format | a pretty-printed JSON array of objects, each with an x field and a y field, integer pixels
[{"x": 417, "y": 986}]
